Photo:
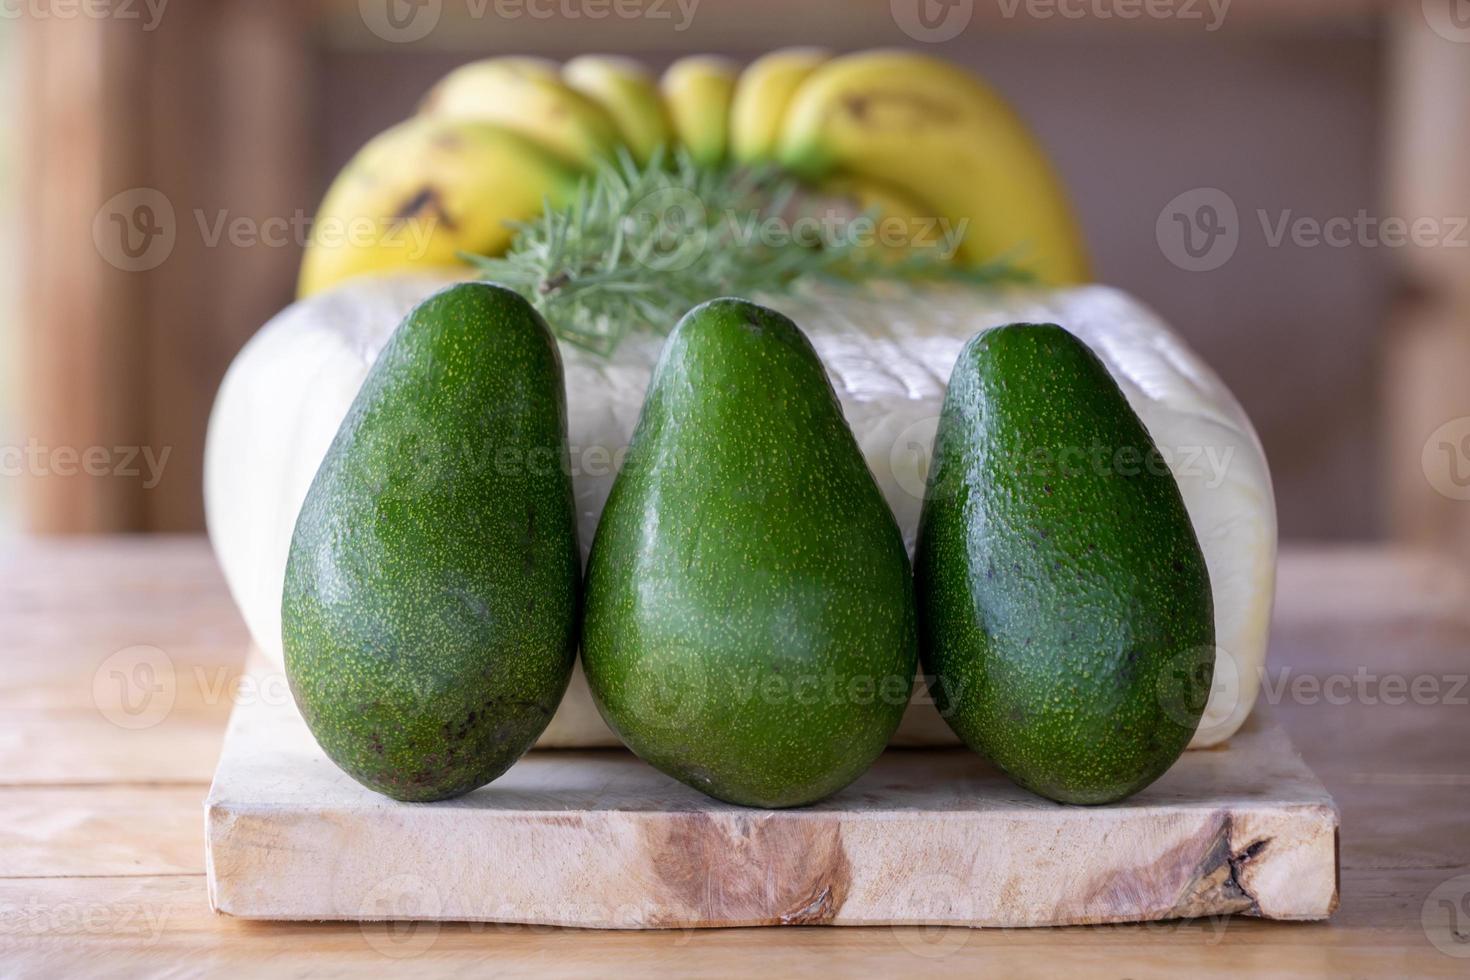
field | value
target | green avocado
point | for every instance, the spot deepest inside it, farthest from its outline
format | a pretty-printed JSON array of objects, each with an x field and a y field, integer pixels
[
  {"x": 431, "y": 601},
  {"x": 750, "y": 623},
  {"x": 1065, "y": 616}
]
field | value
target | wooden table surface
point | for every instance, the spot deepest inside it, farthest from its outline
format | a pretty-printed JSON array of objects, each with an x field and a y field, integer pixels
[{"x": 120, "y": 663}]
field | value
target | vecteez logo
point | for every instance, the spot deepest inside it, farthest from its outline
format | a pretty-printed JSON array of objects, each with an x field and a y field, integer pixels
[
  {"x": 935, "y": 21},
  {"x": 406, "y": 21},
  {"x": 136, "y": 230},
  {"x": 1210, "y": 13},
  {"x": 1445, "y": 916},
  {"x": 675, "y": 226},
  {"x": 1446, "y": 459},
  {"x": 38, "y": 460},
  {"x": 135, "y": 688},
  {"x": 1198, "y": 230},
  {"x": 911, "y": 456},
  {"x": 147, "y": 12},
  {"x": 1450, "y": 19},
  {"x": 401, "y": 21},
  {"x": 932, "y": 21},
  {"x": 399, "y": 916}
]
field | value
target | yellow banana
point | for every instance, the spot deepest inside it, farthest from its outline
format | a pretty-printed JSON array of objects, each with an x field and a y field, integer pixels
[
  {"x": 938, "y": 133},
  {"x": 761, "y": 97},
  {"x": 520, "y": 64},
  {"x": 698, "y": 89},
  {"x": 629, "y": 94},
  {"x": 528, "y": 96},
  {"x": 903, "y": 225},
  {"x": 424, "y": 191}
]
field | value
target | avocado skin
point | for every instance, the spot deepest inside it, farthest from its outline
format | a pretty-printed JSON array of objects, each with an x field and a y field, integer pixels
[
  {"x": 750, "y": 625},
  {"x": 1065, "y": 615},
  {"x": 430, "y": 607}
]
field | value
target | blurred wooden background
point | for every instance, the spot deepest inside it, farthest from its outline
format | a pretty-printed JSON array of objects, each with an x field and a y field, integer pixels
[{"x": 1346, "y": 358}]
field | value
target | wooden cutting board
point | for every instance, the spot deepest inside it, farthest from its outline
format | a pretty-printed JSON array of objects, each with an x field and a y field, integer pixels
[{"x": 602, "y": 840}]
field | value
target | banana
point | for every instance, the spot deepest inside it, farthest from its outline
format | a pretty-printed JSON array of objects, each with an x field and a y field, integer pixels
[
  {"x": 528, "y": 96},
  {"x": 629, "y": 94},
  {"x": 423, "y": 192},
  {"x": 698, "y": 90},
  {"x": 940, "y": 134},
  {"x": 903, "y": 225},
  {"x": 522, "y": 64},
  {"x": 761, "y": 97}
]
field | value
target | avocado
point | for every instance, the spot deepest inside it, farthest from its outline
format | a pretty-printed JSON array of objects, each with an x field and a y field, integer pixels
[
  {"x": 431, "y": 600},
  {"x": 1065, "y": 617},
  {"x": 750, "y": 625}
]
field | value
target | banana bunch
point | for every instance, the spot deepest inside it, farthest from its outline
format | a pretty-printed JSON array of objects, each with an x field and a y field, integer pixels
[{"x": 905, "y": 134}]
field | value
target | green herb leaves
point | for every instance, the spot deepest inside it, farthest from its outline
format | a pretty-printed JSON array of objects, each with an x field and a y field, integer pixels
[{"x": 641, "y": 245}]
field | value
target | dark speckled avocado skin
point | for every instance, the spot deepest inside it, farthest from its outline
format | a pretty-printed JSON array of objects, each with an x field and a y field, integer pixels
[
  {"x": 750, "y": 624},
  {"x": 431, "y": 595},
  {"x": 1066, "y": 621}
]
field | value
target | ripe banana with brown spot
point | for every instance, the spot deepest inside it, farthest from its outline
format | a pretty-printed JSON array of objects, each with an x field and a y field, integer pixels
[{"x": 425, "y": 191}]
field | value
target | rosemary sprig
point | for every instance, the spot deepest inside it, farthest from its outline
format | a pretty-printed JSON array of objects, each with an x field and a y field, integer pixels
[{"x": 640, "y": 245}]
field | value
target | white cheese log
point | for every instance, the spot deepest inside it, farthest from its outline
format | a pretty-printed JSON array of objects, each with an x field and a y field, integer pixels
[{"x": 889, "y": 351}]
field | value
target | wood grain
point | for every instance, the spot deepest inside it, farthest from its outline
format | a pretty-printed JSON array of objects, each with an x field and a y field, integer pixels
[
  {"x": 207, "y": 111},
  {"x": 1398, "y": 772},
  {"x": 599, "y": 839},
  {"x": 83, "y": 317}
]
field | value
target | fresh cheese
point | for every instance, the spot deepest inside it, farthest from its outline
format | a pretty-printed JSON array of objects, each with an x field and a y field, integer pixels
[{"x": 888, "y": 351}]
